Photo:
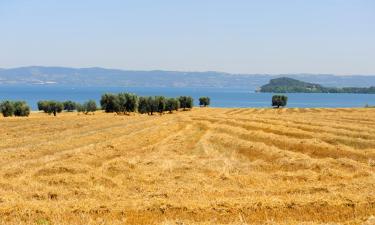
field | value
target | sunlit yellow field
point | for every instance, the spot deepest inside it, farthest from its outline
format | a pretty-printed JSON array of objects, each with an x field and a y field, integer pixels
[{"x": 205, "y": 166}]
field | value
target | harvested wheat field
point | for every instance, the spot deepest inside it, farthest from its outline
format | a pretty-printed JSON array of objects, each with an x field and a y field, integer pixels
[{"x": 205, "y": 166}]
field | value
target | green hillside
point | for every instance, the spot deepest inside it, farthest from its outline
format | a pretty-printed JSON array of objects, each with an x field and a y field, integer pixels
[{"x": 289, "y": 85}]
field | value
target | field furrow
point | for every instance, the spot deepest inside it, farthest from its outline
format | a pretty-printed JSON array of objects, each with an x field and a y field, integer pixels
[{"x": 204, "y": 166}]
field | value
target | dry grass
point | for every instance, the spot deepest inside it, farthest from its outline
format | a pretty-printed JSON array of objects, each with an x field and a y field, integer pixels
[{"x": 207, "y": 166}]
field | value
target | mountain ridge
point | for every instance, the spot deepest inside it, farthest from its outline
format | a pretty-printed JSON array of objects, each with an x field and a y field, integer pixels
[{"x": 99, "y": 76}]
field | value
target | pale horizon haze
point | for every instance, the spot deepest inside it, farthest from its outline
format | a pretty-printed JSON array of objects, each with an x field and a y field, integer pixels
[{"x": 240, "y": 36}]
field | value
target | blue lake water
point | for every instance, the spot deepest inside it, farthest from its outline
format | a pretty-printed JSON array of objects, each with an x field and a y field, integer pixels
[{"x": 220, "y": 97}]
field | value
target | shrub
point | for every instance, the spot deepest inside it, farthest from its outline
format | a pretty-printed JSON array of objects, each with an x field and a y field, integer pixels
[
  {"x": 204, "y": 101},
  {"x": 69, "y": 106},
  {"x": 7, "y": 108},
  {"x": 109, "y": 103},
  {"x": 186, "y": 102},
  {"x": 172, "y": 104},
  {"x": 279, "y": 100},
  {"x": 89, "y": 106},
  {"x": 21, "y": 108}
]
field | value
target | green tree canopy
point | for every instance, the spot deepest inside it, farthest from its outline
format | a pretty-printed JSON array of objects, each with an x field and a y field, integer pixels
[
  {"x": 204, "y": 101},
  {"x": 69, "y": 106},
  {"x": 109, "y": 103},
  {"x": 186, "y": 102},
  {"x": 172, "y": 104},
  {"x": 279, "y": 100},
  {"x": 7, "y": 108},
  {"x": 51, "y": 107},
  {"x": 21, "y": 108},
  {"x": 89, "y": 106}
]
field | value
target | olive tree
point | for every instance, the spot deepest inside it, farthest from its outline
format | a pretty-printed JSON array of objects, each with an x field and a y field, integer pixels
[
  {"x": 160, "y": 101},
  {"x": 21, "y": 108},
  {"x": 14, "y": 108},
  {"x": 51, "y": 107},
  {"x": 131, "y": 102},
  {"x": 143, "y": 105},
  {"x": 42, "y": 105},
  {"x": 7, "y": 108},
  {"x": 109, "y": 103},
  {"x": 127, "y": 102},
  {"x": 186, "y": 102},
  {"x": 204, "y": 101},
  {"x": 152, "y": 105},
  {"x": 279, "y": 100},
  {"x": 69, "y": 106},
  {"x": 79, "y": 108},
  {"x": 89, "y": 106},
  {"x": 172, "y": 104}
]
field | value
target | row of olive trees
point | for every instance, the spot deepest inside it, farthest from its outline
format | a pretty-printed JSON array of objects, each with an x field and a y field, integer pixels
[
  {"x": 125, "y": 103},
  {"x": 122, "y": 103},
  {"x": 14, "y": 108},
  {"x": 158, "y": 104},
  {"x": 55, "y": 107}
]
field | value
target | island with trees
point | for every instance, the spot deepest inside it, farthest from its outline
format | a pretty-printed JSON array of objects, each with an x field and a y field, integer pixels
[{"x": 289, "y": 85}]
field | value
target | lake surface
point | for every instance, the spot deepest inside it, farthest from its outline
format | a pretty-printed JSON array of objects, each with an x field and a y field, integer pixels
[{"x": 220, "y": 97}]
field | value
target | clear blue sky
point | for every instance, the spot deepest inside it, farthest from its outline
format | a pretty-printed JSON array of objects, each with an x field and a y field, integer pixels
[{"x": 239, "y": 36}]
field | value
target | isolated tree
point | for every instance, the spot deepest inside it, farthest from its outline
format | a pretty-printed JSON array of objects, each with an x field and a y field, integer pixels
[
  {"x": 109, "y": 103},
  {"x": 21, "y": 108},
  {"x": 279, "y": 100},
  {"x": 186, "y": 102},
  {"x": 204, "y": 101},
  {"x": 7, "y": 108},
  {"x": 172, "y": 104},
  {"x": 69, "y": 106},
  {"x": 89, "y": 106},
  {"x": 142, "y": 105}
]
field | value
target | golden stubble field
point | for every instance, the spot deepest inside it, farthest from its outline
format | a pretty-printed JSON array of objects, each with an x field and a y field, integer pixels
[{"x": 205, "y": 166}]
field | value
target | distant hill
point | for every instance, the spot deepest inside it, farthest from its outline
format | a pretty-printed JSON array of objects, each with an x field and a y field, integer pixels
[
  {"x": 37, "y": 75},
  {"x": 289, "y": 85}
]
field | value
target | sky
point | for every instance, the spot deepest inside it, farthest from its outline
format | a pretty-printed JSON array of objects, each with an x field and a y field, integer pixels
[{"x": 236, "y": 36}]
